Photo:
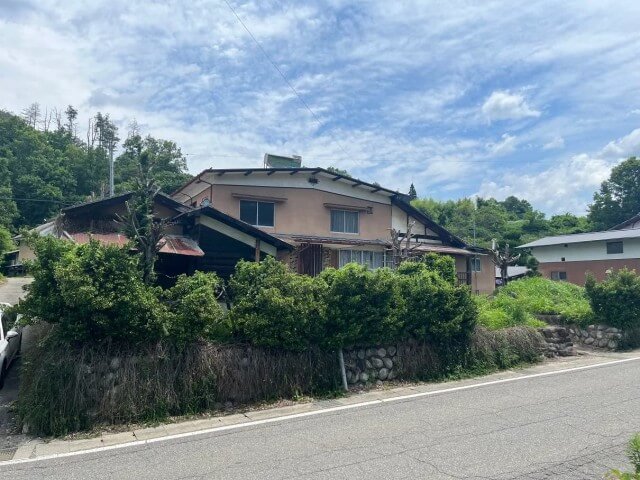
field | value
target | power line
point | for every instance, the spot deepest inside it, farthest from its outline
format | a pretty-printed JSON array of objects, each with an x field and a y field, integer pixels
[
  {"x": 286, "y": 80},
  {"x": 44, "y": 200}
]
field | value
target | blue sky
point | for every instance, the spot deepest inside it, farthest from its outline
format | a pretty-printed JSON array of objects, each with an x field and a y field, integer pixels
[{"x": 462, "y": 98}]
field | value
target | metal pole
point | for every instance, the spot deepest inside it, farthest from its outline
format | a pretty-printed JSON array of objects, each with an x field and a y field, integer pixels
[{"x": 343, "y": 372}]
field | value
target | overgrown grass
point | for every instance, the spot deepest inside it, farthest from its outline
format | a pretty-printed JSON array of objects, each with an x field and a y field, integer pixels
[{"x": 519, "y": 302}]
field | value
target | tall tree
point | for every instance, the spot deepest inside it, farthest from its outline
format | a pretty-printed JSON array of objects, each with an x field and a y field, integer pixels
[
  {"x": 619, "y": 197},
  {"x": 139, "y": 223},
  {"x": 412, "y": 192}
]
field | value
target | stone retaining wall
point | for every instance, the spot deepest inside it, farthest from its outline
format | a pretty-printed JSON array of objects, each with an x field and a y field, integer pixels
[
  {"x": 598, "y": 336},
  {"x": 364, "y": 365},
  {"x": 558, "y": 341}
]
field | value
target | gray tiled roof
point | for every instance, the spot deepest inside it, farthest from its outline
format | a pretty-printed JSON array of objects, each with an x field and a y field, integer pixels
[{"x": 584, "y": 237}]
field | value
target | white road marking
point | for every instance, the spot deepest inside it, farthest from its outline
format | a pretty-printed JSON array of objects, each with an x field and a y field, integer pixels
[{"x": 314, "y": 412}]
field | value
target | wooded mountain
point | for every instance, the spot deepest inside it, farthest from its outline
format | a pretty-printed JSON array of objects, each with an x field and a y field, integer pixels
[{"x": 42, "y": 169}]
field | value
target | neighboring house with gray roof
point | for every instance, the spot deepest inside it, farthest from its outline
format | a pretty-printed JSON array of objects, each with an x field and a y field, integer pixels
[{"x": 571, "y": 257}]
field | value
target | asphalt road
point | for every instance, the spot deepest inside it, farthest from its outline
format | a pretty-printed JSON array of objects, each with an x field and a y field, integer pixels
[{"x": 570, "y": 425}]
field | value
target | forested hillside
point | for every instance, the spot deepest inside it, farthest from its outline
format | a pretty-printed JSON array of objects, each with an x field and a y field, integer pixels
[
  {"x": 513, "y": 220},
  {"x": 45, "y": 163}
]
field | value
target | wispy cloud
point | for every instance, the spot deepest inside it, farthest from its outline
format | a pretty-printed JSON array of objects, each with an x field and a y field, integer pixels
[{"x": 420, "y": 91}]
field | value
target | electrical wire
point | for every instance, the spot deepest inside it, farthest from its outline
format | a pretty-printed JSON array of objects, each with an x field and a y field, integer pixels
[{"x": 286, "y": 80}]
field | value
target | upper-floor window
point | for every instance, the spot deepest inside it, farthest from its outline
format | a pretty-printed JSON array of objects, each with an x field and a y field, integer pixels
[
  {"x": 344, "y": 221},
  {"x": 614, "y": 247},
  {"x": 476, "y": 264},
  {"x": 260, "y": 214}
]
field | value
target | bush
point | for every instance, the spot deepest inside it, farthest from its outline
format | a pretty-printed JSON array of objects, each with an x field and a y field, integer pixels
[
  {"x": 93, "y": 291},
  {"x": 616, "y": 301},
  {"x": 435, "y": 309},
  {"x": 633, "y": 454},
  {"x": 194, "y": 309},
  {"x": 519, "y": 301},
  {"x": 363, "y": 307},
  {"x": 274, "y": 307}
]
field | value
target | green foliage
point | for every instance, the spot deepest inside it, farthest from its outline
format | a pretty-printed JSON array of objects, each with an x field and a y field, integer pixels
[
  {"x": 274, "y": 307},
  {"x": 194, "y": 309},
  {"x": 435, "y": 309},
  {"x": 94, "y": 292},
  {"x": 59, "y": 168},
  {"x": 512, "y": 221},
  {"x": 364, "y": 307},
  {"x": 619, "y": 197},
  {"x": 6, "y": 243},
  {"x": 633, "y": 454},
  {"x": 518, "y": 302},
  {"x": 616, "y": 301}
]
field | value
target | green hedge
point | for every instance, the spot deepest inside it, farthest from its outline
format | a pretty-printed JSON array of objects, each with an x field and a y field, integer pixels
[
  {"x": 616, "y": 301},
  {"x": 345, "y": 307},
  {"x": 95, "y": 294}
]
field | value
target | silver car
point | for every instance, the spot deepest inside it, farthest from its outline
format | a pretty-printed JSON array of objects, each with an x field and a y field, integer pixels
[{"x": 10, "y": 340}]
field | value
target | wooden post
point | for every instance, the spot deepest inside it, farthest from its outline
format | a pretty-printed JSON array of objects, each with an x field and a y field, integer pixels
[{"x": 257, "y": 249}]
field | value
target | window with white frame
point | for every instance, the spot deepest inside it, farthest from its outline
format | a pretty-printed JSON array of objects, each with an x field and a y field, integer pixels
[
  {"x": 558, "y": 275},
  {"x": 260, "y": 214},
  {"x": 476, "y": 264},
  {"x": 369, "y": 258},
  {"x": 345, "y": 221}
]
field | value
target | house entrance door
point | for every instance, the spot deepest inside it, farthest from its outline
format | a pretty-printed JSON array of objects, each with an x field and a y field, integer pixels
[{"x": 310, "y": 259}]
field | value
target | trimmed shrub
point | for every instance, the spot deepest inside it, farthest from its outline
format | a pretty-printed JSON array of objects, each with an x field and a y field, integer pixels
[
  {"x": 616, "y": 301},
  {"x": 93, "y": 292},
  {"x": 194, "y": 309},
  {"x": 363, "y": 307},
  {"x": 274, "y": 307},
  {"x": 434, "y": 308}
]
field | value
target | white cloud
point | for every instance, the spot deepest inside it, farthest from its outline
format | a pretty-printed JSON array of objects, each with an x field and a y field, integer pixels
[
  {"x": 627, "y": 146},
  {"x": 567, "y": 185},
  {"x": 503, "y": 105},
  {"x": 555, "y": 143},
  {"x": 505, "y": 146}
]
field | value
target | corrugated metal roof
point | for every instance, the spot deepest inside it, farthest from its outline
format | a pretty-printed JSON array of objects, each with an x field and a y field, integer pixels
[
  {"x": 583, "y": 237},
  {"x": 181, "y": 245},
  {"x": 331, "y": 240},
  {"x": 105, "y": 238},
  {"x": 443, "y": 249},
  {"x": 513, "y": 271},
  {"x": 173, "y": 244}
]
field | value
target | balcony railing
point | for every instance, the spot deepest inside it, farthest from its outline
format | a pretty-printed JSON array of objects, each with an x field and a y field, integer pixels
[{"x": 463, "y": 278}]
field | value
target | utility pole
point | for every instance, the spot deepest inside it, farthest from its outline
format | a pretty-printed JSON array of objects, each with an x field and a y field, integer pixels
[{"x": 111, "y": 182}]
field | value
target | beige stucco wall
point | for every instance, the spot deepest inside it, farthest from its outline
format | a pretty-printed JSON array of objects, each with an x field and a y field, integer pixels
[
  {"x": 485, "y": 280},
  {"x": 302, "y": 211}
]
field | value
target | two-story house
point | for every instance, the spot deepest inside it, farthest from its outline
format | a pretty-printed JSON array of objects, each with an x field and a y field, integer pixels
[
  {"x": 330, "y": 219},
  {"x": 571, "y": 257}
]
